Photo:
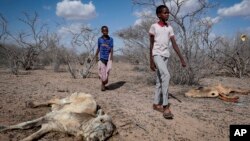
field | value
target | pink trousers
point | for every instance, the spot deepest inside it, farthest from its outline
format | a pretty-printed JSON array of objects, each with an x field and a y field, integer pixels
[{"x": 103, "y": 70}]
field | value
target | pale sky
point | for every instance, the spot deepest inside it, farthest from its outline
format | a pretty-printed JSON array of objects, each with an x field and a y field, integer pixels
[{"x": 229, "y": 17}]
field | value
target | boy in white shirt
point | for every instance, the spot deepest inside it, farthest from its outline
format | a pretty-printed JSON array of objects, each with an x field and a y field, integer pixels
[{"x": 160, "y": 35}]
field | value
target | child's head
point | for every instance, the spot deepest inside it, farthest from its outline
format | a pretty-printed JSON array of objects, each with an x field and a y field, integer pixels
[
  {"x": 162, "y": 12},
  {"x": 105, "y": 30}
]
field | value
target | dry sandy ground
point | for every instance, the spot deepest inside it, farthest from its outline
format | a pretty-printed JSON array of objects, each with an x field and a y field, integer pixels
[{"x": 129, "y": 102}]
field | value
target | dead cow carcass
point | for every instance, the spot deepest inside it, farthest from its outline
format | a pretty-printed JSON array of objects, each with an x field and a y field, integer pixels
[
  {"x": 77, "y": 114},
  {"x": 217, "y": 91}
]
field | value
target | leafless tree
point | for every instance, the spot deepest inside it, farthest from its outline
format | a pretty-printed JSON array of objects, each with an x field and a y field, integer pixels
[
  {"x": 183, "y": 20},
  {"x": 136, "y": 42},
  {"x": 3, "y": 30},
  {"x": 232, "y": 55},
  {"x": 200, "y": 43},
  {"x": 54, "y": 51},
  {"x": 8, "y": 51},
  {"x": 85, "y": 40},
  {"x": 188, "y": 33},
  {"x": 30, "y": 42}
]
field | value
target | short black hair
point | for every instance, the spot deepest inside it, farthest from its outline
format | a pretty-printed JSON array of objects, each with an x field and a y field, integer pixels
[
  {"x": 159, "y": 9},
  {"x": 104, "y": 27}
]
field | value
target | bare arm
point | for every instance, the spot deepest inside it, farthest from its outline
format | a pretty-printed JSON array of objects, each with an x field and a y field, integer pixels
[
  {"x": 111, "y": 54},
  {"x": 96, "y": 54},
  {"x": 111, "y": 50},
  {"x": 177, "y": 50},
  {"x": 152, "y": 64}
]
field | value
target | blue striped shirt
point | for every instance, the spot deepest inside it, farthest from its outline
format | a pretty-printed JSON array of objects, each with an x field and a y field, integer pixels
[{"x": 105, "y": 46}]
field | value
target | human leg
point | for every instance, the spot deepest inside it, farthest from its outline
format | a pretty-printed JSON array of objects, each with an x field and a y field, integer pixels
[
  {"x": 157, "y": 105},
  {"x": 102, "y": 74},
  {"x": 158, "y": 90},
  {"x": 107, "y": 71},
  {"x": 161, "y": 64}
]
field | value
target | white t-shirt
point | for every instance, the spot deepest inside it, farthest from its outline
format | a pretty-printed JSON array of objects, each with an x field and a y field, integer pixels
[{"x": 162, "y": 36}]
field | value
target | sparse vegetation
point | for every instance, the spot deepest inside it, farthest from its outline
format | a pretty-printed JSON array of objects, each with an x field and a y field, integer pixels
[
  {"x": 205, "y": 55},
  {"x": 47, "y": 58}
]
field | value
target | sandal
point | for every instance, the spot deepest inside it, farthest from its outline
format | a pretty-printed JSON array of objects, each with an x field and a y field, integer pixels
[
  {"x": 103, "y": 88},
  {"x": 158, "y": 108},
  {"x": 167, "y": 113}
]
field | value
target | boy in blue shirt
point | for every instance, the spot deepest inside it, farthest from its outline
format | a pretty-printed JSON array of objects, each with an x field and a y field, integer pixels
[{"x": 105, "y": 48}]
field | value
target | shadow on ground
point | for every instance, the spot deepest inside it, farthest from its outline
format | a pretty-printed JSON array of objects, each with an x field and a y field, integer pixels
[{"x": 115, "y": 85}]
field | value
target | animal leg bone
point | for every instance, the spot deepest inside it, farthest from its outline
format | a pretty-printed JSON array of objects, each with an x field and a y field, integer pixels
[
  {"x": 26, "y": 125},
  {"x": 45, "y": 129}
]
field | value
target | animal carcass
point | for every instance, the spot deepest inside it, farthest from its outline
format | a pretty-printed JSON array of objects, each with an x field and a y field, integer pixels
[{"x": 77, "y": 114}]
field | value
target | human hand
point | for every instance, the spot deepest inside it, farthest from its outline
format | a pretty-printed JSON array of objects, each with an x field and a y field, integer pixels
[
  {"x": 152, "y": 66},
  {"x": 96, "y": 58},
  {"x": 183, "y": 63}
]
